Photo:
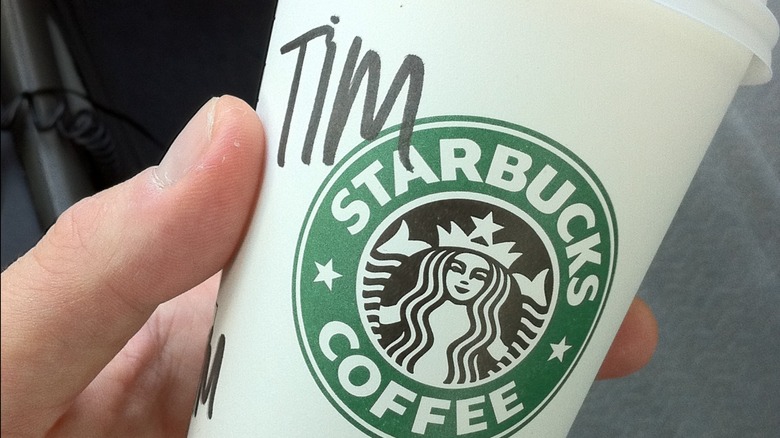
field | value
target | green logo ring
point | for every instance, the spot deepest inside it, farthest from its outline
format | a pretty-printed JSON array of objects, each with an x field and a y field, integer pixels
[{"x": 495, "y": 226}]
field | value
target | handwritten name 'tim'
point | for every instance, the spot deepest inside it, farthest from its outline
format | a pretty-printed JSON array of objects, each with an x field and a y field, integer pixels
[{"x": 353, "y": 75}]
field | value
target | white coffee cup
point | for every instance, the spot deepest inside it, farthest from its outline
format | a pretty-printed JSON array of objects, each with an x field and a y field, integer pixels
[{"x": 456, "y": 259}]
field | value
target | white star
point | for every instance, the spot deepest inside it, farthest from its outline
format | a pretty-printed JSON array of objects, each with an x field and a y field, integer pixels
[
  {"x": 558, "y": 350},
  {"x": 326, "y": 274},
  {"x": 485, "y": 228}
]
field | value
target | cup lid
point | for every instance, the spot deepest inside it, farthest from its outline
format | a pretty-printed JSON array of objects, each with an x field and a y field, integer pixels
[{"x": 749, "y": 22}]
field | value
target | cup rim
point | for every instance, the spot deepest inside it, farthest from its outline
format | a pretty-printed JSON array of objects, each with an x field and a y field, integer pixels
[{"x": 748, "y": 22}]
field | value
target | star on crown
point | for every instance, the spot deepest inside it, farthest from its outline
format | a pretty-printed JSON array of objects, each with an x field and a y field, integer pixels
[{"x": 480, "y": 240}]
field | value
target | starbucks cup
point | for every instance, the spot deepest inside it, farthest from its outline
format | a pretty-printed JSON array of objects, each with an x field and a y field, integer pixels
[{"x": 460, "y": 200}]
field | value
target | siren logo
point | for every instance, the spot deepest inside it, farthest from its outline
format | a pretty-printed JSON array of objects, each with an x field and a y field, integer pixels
[
  {"x": 452, "y": 298},
  {"x": 448, "y": 307}
]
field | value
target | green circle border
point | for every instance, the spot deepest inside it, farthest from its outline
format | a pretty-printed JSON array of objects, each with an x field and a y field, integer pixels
[{"x": 609, "y": 214}]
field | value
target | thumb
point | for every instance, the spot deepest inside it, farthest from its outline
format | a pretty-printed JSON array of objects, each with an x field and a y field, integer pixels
[{"x": 72, "y": 302}]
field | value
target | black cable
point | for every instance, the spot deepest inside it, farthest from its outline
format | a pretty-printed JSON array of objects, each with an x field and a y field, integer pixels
[{"x": 84, "y": 128}]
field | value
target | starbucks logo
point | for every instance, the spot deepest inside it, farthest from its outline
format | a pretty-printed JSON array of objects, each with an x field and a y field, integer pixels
[
  {"x": 452, "y": 298},
  {"x": 445, "y": 295}
]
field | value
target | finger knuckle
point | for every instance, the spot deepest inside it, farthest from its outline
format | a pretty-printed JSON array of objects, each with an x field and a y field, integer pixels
[{"x": 72, "y": 238}]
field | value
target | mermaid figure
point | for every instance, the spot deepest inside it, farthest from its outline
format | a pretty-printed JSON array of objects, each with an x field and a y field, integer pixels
[{"x": 451, "y": 316}]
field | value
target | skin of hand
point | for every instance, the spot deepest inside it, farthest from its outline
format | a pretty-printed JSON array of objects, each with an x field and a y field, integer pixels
[{"x": 105, "y": 321}]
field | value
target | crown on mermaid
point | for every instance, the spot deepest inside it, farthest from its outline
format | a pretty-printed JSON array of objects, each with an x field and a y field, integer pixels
[{"x": 481, "y": 240}]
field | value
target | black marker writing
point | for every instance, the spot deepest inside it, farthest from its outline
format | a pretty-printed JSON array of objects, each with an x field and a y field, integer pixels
[
  {"x": 207, "y": 388},
  {"x": 327, "y": 66},
  {"x": 410, "y": 73}
]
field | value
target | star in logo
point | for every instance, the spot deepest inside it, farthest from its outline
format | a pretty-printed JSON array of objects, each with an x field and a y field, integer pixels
[
  {"x": 485, "y": 228},
  {"x": 326, "y": 274},
  {"x": 559, "y": 349}
]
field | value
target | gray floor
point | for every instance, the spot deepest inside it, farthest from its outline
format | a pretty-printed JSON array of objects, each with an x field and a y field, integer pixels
[{"x": 715, "y": 288}]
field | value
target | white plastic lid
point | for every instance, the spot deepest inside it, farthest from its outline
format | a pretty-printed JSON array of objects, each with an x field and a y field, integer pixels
[{"x": 749, "y": 22}]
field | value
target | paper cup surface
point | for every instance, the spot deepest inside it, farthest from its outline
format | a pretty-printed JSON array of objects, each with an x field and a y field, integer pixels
[{"x": 459, "y": 204}]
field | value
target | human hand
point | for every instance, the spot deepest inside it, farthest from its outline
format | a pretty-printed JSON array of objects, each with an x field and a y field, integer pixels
[{"x": 99, "y": 337}]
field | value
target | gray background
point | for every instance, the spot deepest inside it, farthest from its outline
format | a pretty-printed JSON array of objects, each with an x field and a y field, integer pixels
[{"x": 715, "y": 289}]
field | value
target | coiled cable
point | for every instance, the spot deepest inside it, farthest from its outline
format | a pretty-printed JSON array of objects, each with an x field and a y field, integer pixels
[{"x": 84, "y": 128}]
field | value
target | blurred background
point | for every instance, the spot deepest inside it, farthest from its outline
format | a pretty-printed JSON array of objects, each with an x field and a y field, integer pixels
[
  {"x": 93, "y": 92},
  {"x": 715, "y": 288}
]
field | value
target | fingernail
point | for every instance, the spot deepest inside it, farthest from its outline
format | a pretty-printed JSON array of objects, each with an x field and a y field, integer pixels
[{"x": 188, "y": 148}]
